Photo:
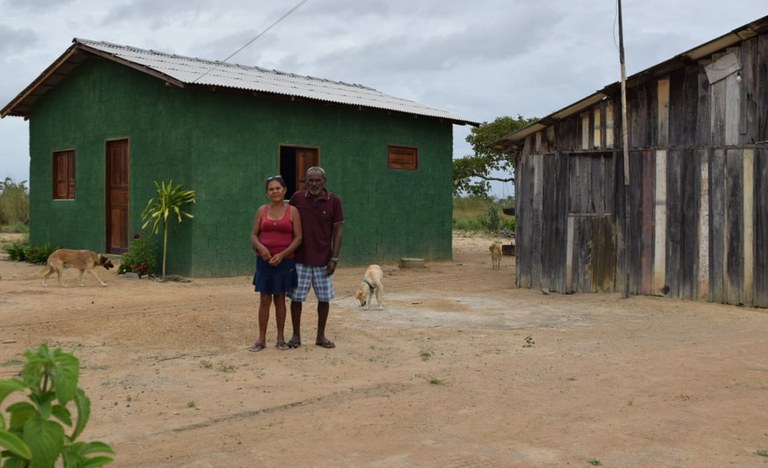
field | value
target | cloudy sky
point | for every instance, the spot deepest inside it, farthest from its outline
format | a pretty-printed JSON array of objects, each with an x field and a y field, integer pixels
[{"x": 478, "y": 60}]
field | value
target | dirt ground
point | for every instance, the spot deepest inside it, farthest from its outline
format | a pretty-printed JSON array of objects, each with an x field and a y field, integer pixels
[{"x": 460, "y": 369}]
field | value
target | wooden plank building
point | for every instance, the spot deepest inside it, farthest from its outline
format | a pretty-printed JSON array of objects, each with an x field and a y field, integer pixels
[{"x": 691, "y": 220}]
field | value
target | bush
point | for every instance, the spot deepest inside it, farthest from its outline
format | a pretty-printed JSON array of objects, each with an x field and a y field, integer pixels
[
  {"x": 40, "y": 254},
  {"x": 23, "y": 252},
  {"x": 17, "y": 251},
  {"x": 492, "y": 221},
  {"x": 140, "y": 257},
  {"x": 35, "y": 434}
]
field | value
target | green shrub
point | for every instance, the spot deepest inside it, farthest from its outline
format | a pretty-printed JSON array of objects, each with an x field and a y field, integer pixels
[
  {"x": 492, "y": 221},
  {"x": 140, "y": 257},
  {"x": 23, "y": 252},
  {"x": 35, "y": 434},
  {"x": 40, "y": 254},
  {"x": 17, "y": 251}
]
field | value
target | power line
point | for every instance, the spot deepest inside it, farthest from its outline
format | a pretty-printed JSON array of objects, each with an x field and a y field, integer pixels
[{"x": 288, "y": 13}]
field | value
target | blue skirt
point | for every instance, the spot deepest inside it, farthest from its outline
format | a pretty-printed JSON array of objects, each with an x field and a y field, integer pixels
[{"x": 272, "y": 279}]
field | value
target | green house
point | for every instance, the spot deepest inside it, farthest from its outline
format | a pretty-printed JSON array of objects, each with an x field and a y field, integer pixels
[{"x": 107, "y": 121}]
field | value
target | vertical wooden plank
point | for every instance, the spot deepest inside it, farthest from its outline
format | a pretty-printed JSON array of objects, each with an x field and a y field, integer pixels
[
  {"x": 524, "y": 209},
  {"x": 674, "y": 225},
  {"x": 597, "y": 125},
  {"x": 619, "y": 205},
  {"x": 662, "y": 112},
  {"x": 574, "y": 186},
  {"x": 689, "y": 186},
  {"x": 603, "y": 253},
  {"x": 597, "y": 183},
  {"x": 609, "y": 125},
  {"x": 585, "y": 177},
  {"x": 537, "y": 218},
  {"x": 583, "y": 254},
  {"x": 585, "y": 130},
  {"x": 749, "y": 119},
  {"x": 734, "y": 252},
  {"x": 717, "y": 96},
  {"x": 760, "y": 290},
  {"x": 660, "y": 222},
  {"x": 718, "y": 221},
  {"x": 703, "y": 110},
  {"x": 761, "y": 90},
  {"x": 703, "y": 225},
  {"x": 733, "y": 112},
  {"x": 563, "y": 169},
  {"x": 690, "y": 107},
  {"x": 569, "y": 255},
  {"x": 748, "y": 161},
  {"x": 647, "y": 220},
  {"x": 634, "y": 237}
]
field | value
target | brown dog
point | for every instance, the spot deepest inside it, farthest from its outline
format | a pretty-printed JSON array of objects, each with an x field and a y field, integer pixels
[
  {"x": 83, "y": 260},
  {"x": 496, "y": 255},
  {"x": 371, "y": 284}
]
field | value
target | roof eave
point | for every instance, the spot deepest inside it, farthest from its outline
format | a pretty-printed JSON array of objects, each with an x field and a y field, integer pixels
[{"x": 691, "y": 56}]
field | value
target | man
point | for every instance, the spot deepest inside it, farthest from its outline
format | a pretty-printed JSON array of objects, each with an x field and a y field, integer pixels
[{"x": 322, "y": 218}]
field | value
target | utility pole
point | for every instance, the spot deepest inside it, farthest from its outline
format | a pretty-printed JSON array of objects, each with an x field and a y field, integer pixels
[{"x": 625, "y": 148}]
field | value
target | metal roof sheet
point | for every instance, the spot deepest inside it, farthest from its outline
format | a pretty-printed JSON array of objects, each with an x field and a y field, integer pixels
[{"x": 187, "y": 71}]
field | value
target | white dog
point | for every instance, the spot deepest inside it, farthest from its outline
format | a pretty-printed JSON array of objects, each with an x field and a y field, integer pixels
[{"x": 371, "y": 284}]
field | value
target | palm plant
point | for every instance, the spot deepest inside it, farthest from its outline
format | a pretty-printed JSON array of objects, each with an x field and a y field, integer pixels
[{"x": 170, "y": 199}]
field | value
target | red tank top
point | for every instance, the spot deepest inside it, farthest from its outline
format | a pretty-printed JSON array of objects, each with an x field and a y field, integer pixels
[{"x": 276, "y": 234}]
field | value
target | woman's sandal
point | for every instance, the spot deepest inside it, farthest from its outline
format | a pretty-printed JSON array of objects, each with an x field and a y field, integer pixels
[
  {"x": 282, "y": 345},
  {"x": 257, "y": 347}
]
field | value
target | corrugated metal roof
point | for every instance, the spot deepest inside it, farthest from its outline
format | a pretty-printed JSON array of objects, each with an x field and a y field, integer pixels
[{"x": 187, "y": 71}]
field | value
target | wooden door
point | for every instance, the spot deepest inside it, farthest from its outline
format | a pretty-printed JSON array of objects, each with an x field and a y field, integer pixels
[
  {"x": 305, "y": 158},
  {"x": 118, "y": 217}
]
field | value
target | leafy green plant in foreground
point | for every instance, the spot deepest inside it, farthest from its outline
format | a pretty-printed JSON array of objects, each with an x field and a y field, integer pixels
[{"x": 35, "y": 434}]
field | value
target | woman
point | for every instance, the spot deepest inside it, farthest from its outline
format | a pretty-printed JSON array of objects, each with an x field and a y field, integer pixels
[{"x": 275, "y": 236}]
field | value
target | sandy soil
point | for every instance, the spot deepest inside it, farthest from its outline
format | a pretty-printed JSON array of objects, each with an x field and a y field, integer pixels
[{"x": 460, "y": 369}]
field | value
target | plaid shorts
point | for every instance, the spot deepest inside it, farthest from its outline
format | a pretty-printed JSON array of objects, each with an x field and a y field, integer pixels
[{"x": 315, "y": 277}]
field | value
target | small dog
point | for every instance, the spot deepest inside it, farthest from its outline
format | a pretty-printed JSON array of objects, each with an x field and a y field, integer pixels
[
  {"x": 496, "y": 255},
  {"x": 371, "y": 284},
  {"x": 83, "y": 260}
]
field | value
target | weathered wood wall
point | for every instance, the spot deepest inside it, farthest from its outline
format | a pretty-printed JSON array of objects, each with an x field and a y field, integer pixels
[
  {"x": 693, "y": 220},
  {"x": 697, "y": 225}
]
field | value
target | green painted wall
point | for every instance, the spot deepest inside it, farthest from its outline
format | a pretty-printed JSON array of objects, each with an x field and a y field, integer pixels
[{"x": 223, "y": 145}]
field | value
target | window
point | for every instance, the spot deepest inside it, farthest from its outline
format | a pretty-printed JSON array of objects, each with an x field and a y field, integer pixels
[
  {"x": 402, "y": 157},
  {"x": 64, "y": 175}
]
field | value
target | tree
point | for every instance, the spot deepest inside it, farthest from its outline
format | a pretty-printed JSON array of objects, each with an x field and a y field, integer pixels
[
  {"x": 486, "y": 160},
  {"x": 170, "y": 199},
  {"x": 14, "y": 202}
]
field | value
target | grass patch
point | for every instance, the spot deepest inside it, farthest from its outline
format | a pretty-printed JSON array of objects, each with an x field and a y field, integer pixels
[
  {"x": 12, "y": 362},
  {"x": 481, "y": 215}
]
